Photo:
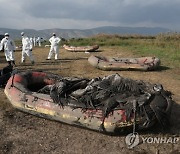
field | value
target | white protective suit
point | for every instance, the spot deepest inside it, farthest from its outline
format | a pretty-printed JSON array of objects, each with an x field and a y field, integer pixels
[
  {"x": 34, "y": 41},
  {"x": 54, "y": 47},
  {"x": 9, "y": 46},
  {"x": 27, "y": 49},
  {"x": 31, "y": 39},
  {"x": 39, "y": 41}
]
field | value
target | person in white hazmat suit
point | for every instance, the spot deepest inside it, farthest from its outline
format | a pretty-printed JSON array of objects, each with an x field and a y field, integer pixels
[
  {"x": 39, "y": 41},
  {"x": 54, "y": 40},
  {"x": 26, "y": 48},
  {"x": 9, "y": 47},
  {"x": 34, "y": 41},
  {"x": 31, "y": 39}
]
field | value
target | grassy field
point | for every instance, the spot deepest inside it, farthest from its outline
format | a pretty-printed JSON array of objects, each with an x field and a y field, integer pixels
[
  {"x": 164, "y": 46},
  {"x": 25, "y": 133}
]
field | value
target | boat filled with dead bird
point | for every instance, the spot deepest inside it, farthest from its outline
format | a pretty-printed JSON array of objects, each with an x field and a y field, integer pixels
[{"x": 106, "y": 104}]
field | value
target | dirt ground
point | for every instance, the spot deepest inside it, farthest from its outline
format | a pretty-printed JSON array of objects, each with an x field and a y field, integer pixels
[{"x": 25, "y": 133}]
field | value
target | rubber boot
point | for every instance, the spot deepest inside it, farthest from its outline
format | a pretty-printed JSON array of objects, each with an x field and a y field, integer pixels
[
  {"x": 9, "y": 63},
  {"x": 13, "y": 63}
]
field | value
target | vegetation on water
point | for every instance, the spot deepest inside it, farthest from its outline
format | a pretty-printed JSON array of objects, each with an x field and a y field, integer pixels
[{"x": 165, "y": 46}]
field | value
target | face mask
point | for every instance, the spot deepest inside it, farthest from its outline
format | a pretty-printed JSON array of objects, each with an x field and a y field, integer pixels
[{"x": 6, "y": 37}]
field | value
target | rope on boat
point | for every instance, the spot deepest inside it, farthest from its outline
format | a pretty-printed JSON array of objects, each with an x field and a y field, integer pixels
[{"x": 134, "y": 110}]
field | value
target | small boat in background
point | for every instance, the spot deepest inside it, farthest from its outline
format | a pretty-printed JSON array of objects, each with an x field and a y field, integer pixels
[
  {"x": 81, "y": 48},
  {"x": 108, "y": 64}
]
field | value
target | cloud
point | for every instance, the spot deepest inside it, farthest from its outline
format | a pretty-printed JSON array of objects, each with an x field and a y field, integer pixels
[{"x": 88, "y": 14}]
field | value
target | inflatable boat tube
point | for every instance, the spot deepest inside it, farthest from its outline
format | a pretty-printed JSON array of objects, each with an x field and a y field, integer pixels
[{"x": 108, "y": 64}]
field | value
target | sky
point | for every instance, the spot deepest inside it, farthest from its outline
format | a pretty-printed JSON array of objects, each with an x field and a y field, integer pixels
[{"x": 86, "y": 14}]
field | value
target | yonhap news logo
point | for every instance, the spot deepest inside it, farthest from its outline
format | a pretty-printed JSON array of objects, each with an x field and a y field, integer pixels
[{"x": 133, "y": 139}]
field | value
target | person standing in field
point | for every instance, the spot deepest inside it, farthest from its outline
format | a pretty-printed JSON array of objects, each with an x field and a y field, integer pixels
[
  {"x": 31, "y": 39},
  {"x": 8, "y": 46},
  {"x": 54, "y": 40},
  {"x": 26, "y": 48},
  {"x": 39, "y": 41},
  {"x": 34, "y": 41}
]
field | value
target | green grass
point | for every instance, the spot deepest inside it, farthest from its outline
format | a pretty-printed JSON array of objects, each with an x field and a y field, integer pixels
[
  {"x": 169, "y": 53},
  {"x": 164, "y": 46}
]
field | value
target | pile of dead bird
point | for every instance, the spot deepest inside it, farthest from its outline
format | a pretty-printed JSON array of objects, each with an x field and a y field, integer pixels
[{"x": 110, "y": 93}]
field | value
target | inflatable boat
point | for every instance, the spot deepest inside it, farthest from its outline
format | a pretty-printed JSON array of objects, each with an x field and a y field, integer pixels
[
  {"x": 81, "y": 48},
  {"x": 5, "y": 74},
  {"x": 29, "y": 92},
  {"x": 108, "y": 63}
]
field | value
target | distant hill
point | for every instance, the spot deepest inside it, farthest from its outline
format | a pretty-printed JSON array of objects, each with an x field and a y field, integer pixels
[{"x": 77, "y": 33}]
